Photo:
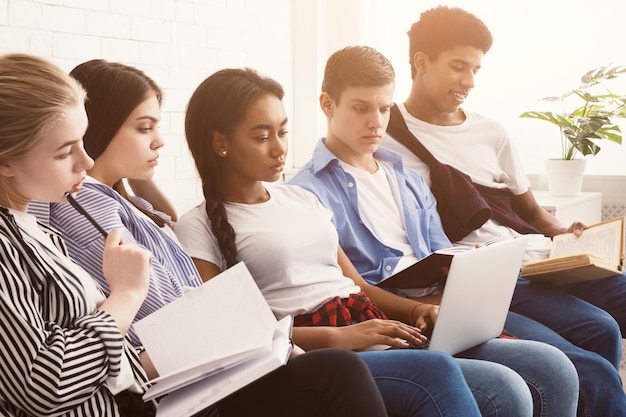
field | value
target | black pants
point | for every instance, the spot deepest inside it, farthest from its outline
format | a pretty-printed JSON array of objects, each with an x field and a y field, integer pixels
[
  {"x": 320, "y": 383},
  {"x": 130, "y": 404}
]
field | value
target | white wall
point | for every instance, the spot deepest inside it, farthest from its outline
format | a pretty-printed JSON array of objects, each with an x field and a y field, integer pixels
[
  {"x": 541, "y": 47},
  {"x": 176, "y": 42}
]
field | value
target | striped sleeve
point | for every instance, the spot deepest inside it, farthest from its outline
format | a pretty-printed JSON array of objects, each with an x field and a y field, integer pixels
[{"x": 52, "y": 363}]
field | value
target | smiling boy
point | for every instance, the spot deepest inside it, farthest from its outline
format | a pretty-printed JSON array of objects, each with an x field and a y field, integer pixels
[{"x": 446, "y": 50}]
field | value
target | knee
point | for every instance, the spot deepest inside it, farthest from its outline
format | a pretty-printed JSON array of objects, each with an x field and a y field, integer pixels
[
  {"x": 604, "y": 337},
  {"x": 511, "y": 398},
  {"x": 336, "y": 361},
  {"x": 552, "y": 366},
  {"x": 606, "y": 327},
  {"x": 497, "y": 389},
  {"x": 553, "y": 381}
]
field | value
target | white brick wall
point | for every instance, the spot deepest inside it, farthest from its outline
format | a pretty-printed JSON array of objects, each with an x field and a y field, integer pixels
[{"x": 176, "y": 42}]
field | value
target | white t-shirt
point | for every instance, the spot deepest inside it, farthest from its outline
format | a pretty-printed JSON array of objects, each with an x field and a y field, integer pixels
[
  {"x": 481, "y": 148},
  {"x": 380, "y": 208},
  {"x": 288, "y": 243}
]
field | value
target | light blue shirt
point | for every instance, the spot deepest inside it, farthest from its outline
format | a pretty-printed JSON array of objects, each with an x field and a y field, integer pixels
[{"x": 337, "y": 190}]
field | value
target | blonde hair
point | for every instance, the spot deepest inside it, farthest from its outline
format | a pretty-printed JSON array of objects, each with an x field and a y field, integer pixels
[{"x": 33, "y": 94}]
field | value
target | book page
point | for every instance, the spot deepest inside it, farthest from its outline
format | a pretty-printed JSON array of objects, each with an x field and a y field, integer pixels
[
  {"x": 604, "y": 240},
  {"x": 194, "y": 398},
  {"x": 226, "y": 316}
]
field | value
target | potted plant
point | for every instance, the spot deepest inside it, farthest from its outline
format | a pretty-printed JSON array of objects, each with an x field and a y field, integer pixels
[{"x": 583, "y": 126}]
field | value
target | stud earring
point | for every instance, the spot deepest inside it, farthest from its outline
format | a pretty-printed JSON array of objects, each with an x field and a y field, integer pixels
[{"x": 224, "y": 152}]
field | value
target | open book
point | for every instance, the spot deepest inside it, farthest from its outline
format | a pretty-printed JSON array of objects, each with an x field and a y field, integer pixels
[
  {"x": 214, "y": 340},
  {"x": 597, "y": 253},
  {"x": 425, "y": 272}
]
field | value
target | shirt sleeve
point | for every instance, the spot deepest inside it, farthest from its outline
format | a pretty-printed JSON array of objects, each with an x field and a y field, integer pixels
[
  {"x": 508, "y": 158},
  {"x": 197, "y": 239},
  {"x": 51, "y": 366},
  {"x": 86, "y": 247}
]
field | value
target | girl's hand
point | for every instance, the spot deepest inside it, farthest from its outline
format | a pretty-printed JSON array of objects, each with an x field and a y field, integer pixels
[
  {"x": 126, "y": 267},
  {"x": 127, "y": 271},
  {"x": 379, "y": 332}
]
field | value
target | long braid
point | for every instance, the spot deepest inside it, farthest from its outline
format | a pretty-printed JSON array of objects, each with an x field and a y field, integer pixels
[{"x": 218, "y": 219}]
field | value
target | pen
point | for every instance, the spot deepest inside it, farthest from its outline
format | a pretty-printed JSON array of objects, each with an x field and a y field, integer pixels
[{"x": 82, "y": 211}]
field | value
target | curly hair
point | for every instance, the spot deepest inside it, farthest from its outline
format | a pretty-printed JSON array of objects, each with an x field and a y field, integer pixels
[{"x": 442, "y": 28}]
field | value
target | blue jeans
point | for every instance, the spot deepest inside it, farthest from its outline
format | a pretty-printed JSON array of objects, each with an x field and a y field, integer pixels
[
  {"x": 606, "y": 293},
  {"x": 549, "y": 374},
  {"x": 426, "y": 383},
  {"x": 588, "y": 314},
  {"x": 601, "y": 392}
]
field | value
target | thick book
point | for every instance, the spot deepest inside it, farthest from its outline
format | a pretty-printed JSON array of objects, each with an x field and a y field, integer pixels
[
  {"x": 597, "y": 253},
  {"x": 424, "y": 273},
  {"x": 211, "y": 342}
]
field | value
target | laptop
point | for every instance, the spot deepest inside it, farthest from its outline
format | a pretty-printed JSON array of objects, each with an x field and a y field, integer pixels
[{"x": 477, "y": 295}]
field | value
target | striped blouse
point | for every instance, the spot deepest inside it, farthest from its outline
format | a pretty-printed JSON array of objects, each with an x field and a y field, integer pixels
[
  {"x": 55, "y": 354},
  {"x": 172, "y": 269}
]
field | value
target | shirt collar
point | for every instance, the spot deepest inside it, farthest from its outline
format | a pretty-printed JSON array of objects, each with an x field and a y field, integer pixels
[{"x": 322, "y": 156}]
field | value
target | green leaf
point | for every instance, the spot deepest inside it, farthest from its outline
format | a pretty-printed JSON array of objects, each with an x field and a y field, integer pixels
[{"x": 584, "y": 124}]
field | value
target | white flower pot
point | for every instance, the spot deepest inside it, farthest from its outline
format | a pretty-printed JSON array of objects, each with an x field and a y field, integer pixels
[{"x": 565, "y": 177}]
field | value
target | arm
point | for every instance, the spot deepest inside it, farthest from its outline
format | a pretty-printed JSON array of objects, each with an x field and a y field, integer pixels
[
  {"x": 170, "y": 268},
  {"x": 357, "y": 336},
  {"x": 147, "y": 365},
  {"x": 149, "y": 191},
  {"x": 49, "y": 338},
  {"x": 423, "y": 315},
  {"x": 207, "y": 270},
  {"x": 527, "y": 207}
]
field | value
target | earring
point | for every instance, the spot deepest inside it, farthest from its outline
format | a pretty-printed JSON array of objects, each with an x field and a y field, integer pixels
[{"x": 224, "y": 152}]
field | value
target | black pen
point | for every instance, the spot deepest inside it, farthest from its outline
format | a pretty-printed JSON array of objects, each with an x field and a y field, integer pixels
[{"x": 81, "y": 210}]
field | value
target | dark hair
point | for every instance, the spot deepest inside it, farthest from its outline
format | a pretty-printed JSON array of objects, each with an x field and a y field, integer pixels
[
  {"x": 442, "y": 28},
  {"x": 356, "y": 66},
  {"x": 114, "y": 90},
  {"x": 220, "y": 104}
]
